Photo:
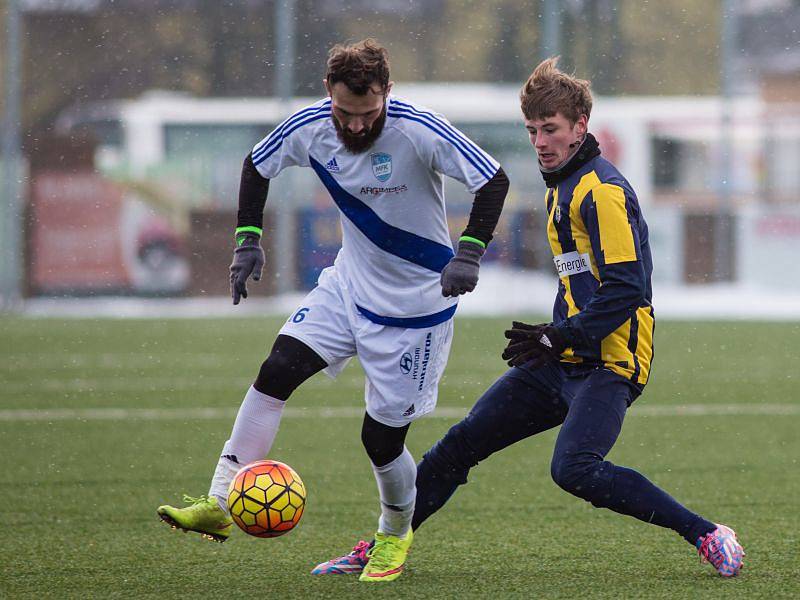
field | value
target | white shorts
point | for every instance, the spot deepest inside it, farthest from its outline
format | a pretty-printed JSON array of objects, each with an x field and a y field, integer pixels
[{"x": 402, "y": 366}]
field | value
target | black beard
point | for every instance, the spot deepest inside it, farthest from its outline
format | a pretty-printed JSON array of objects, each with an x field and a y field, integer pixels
[{"x": 356, "y": 144}]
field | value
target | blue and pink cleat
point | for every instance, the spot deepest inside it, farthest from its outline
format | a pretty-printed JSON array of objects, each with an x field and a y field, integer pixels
[
  {"x": 349, "y": 564},
  {"x": 721, "y": 548}
]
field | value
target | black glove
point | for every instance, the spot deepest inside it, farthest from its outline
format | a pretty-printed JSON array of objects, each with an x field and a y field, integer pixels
[
  {"x": 533, "y": 345},
  {"x": 248, "y": 259},
  {"x": 460, "y": 275}
]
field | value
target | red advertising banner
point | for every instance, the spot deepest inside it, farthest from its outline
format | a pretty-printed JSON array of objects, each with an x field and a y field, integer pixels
[
  {"x": 75, "y": 235},
  {"x": 90, "y": 235}
]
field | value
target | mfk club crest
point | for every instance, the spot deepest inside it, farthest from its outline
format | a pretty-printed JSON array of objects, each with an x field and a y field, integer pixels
[{"x": 381, "y": 165}]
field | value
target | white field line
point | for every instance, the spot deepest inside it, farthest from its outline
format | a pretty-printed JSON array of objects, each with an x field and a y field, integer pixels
[
  {"x": 109, "y": 382},
  {"x": 112, "y": 360},
  {"x": 523, "y": 292},
  {"x": 156, "y": 384},
  {"x": 348, "y": 412},
  {"x": 128, "y": 384}
]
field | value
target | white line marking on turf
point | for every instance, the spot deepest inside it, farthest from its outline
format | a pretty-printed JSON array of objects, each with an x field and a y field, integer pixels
[
  {"x": 155, "y": 384},
  {"x": 111, "y": 360},
  {"x": 127, "y": 384},
  {"x": 348, "y": 412}
]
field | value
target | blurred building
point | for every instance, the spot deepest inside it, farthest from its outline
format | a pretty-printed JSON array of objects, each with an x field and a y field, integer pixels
[
  {"x": 188, "y": 151},
  {"x": 770, "y": 52},
  {"x": 168, "y": 162}
]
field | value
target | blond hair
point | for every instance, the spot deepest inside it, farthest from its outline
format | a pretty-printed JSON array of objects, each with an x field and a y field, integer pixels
[{"x": 549, "y": 91}]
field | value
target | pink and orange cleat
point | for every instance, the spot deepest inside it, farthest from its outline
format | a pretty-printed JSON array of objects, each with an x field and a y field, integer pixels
[{"x": 721, "y": 548}]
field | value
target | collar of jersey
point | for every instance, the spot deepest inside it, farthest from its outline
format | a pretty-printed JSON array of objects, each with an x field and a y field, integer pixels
[{"x": 588, "y": 150}]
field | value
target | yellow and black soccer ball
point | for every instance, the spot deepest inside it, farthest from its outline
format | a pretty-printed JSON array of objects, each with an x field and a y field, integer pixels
[{"x": 266, "y": 498}]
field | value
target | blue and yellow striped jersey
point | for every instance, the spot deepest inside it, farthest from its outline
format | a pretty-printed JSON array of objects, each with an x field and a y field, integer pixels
[{"x": 600, "y": 247}]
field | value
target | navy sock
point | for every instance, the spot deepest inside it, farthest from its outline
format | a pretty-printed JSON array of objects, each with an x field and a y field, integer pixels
[{"x": 631, "y": 493}]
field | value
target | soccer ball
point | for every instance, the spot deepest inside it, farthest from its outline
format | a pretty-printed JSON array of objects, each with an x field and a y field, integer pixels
[{"x": 266, "y": 498}]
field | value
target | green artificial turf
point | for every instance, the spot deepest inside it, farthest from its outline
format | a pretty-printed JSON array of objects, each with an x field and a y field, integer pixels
[{"x": 78, "y": 494}]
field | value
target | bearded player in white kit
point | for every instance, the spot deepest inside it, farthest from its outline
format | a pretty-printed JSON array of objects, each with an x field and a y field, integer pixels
[{"x": 390, "y": 295}]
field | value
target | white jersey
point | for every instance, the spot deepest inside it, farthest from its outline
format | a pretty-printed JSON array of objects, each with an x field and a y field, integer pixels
[{"x": 395, "y": 240}]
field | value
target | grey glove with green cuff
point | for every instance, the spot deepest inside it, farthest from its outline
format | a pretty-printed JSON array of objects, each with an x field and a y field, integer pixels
[
  {"x": 248, "y": 260},
  {"x": 460, "y": 275}
]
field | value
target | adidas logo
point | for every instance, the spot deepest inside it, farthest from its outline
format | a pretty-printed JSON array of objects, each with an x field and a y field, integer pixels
[
  {"x": 409, "y": 411},
  {"x": 332, "y": 165},
  {"x": 231, "y": 457}
]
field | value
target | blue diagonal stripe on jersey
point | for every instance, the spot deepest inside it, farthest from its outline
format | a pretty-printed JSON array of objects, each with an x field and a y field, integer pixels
[
  {"x": 288, "y": 126},
  {"x": 408, "y": 246},
  {"x": 468, "y": 143},
  {"x": 464, "y": 144}
]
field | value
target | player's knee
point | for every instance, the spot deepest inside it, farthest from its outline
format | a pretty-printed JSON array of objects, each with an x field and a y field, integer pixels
[
  {"x": 382, "y": 442},
  {"x": 438, "y": 464},
  {"x": 574, "y": 474},
  {"x": 381, "y": 451},
  {"x": 452, "y": 457},
  {"x": 290, "y": 363},
  {"x": 280, "y": 375},
  {"x": 275, "y": 379}
]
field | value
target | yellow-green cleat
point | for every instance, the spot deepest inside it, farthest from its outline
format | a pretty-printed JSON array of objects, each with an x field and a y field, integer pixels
[
  {"x": 387, "y": 558},
  {"x": 203, "y": 515}
]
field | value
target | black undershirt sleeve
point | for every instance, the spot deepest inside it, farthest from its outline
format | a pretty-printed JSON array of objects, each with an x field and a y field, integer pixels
[
  {"x": 253, "y": 190},
  {"x": 486, "y": 208}
]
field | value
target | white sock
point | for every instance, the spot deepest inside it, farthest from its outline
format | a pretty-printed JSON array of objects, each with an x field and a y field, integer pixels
[
  {"x": 253, "y": 432},
  {"x": 398, "y": 490}
]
